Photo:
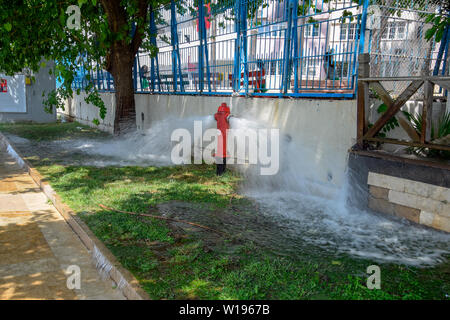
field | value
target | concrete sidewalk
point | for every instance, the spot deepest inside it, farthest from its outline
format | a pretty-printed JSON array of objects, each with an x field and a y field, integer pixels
[{"x": 37, "y": 246}]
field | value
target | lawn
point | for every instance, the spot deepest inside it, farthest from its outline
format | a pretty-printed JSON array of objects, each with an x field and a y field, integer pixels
[{"x": 172, "y": 261}]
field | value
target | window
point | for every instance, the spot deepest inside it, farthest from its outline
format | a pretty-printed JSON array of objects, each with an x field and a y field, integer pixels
[
  {"x": 348, "y": 31},
  {"x": 309, "y": 68},
  {"x": 275, "y": 67},
  {"x": 401, "y": 30},
  {"x": 391, "y": 27},
  {"x": 312, "y": 30},
  {"x": 395, "y": 30},
  {"x": 342, "y": 69}
]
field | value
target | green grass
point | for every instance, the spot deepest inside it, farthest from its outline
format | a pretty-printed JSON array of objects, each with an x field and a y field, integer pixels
[
  {"x": 51, "y": 131},
  {"x": 173, "y": 267}
]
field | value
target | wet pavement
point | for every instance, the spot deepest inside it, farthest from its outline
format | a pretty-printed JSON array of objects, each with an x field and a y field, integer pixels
[{"x": 37, "y": 246}]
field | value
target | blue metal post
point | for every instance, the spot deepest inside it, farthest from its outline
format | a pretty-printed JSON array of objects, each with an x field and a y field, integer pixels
[
  {"x": 444, "y": 67},
  {"x": 108, "y": 81},
  {"x": 362, "y": 38},
  {"x": 201, "y": 26},
  {"x": 240, "y": 62},
  {"x": 98, "y": 78},
  {"x": 244, "y": 53},
  {"x": 135, "y": 74},
  {"x": 176, "y": 61},
  {"x": 446, "y": 55},
  {"x": 135, "y": 71},
  {"x": 154, "y": 60},
  {"x": 295, "y": 35},
  {"x": 205, "y": 40},
  {"x": 237, "y": 48},
  {"x": 442, "y": 48},
  {"x": 173, "y": 31},
  {"x": 287, "y": 46}
]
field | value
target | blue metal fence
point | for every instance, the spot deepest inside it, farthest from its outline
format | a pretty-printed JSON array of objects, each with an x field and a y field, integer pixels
[
  {"x": 296, "y": 48},
  {"x": 255, "y": 48}
]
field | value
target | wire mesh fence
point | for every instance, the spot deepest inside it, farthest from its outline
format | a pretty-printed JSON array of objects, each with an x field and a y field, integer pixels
[{"x": 398, "y": 46}]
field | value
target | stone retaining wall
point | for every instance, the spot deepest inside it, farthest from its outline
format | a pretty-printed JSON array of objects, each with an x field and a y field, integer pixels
[{"x": 422, "y": 203}]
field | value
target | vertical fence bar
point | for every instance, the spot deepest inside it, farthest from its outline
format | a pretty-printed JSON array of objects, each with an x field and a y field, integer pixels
[
  {"x": 108, "y": 79},
  {"x": 173, "y": 31},
  {"x": 237, "y": 48},
  {"x": 141, "y": 75},
  {"x": 442, "y": 48},
  {"x": 98, "y": 78},
  {"x": 287, "y": 47},
  {"x": 135, "y": 71},
  {"x": 362, "y": 28},
  {"x": 205, "y": 40},
  {"x": 444, "y": 66},
  {"x": 244, "y": 55},
  {"x": 295, "y": 35},
  {"x": 362, "y": 40},
  {"x": 201, "y": 22},
  {"x": 154, "y": 60}
]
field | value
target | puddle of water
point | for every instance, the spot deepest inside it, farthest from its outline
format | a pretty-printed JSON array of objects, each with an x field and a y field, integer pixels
[
  {"x": 297, "y": 200},
  {"x": 344, "y": 229}
]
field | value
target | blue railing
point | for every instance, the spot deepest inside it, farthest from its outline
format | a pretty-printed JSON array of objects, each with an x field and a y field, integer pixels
[
  {"x": 255, "y": 48},
  {"x": 294, "y": 48}
]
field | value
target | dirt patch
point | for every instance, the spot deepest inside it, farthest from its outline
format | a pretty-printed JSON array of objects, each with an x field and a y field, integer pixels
[{"x": 239, "y": 224}]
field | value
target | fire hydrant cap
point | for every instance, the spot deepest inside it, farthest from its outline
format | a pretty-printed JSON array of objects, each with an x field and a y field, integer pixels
[{"x": 224, "y": 108}]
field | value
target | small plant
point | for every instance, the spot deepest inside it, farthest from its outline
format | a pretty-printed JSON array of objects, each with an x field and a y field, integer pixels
[
  {"x": 390, "y": 125},
  {"x": 440, "y": 134}
]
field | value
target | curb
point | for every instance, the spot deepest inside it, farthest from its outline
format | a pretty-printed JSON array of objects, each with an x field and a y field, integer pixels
[{"x": 105, "y": 261}]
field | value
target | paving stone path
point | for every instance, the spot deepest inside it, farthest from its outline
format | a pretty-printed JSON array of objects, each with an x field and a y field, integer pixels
[{"x": 37, "y": 246}]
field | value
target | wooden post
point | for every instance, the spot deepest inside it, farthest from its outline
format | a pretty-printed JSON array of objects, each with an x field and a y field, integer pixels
[
  {"x": 427, "y": 112},
  {"x": 362, "y": 97},
  {"x": 394, "y": 108},
  {"x": 386, "y": 98}
]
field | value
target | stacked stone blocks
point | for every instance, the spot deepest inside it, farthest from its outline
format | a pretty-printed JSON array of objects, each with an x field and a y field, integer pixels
[{"x": 419, "y": 202}]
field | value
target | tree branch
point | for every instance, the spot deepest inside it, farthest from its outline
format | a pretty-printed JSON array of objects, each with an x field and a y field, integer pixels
[{"x": 142, "y": 23}]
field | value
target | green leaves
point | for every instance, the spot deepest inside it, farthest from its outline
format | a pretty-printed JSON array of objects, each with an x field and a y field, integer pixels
[
  {"x": 439, "y": 25},
  {"x": 391, "y": 124},
  {"x": 42, "y": 32},
  {"x": 81, "y": 2},
  {"x": 7, "y": 26}
]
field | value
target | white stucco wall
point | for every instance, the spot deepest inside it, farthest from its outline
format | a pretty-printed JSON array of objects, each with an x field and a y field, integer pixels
[
  {"x": 32, "y": 109},
  {"x": 322, "y": 130},
  {"x": 77, "y": 109}
]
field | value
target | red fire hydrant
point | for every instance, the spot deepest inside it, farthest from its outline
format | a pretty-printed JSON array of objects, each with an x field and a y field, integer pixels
[{"x": 222, "y": 117}]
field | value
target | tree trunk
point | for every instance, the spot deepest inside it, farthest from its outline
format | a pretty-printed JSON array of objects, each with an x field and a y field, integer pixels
[
  {"x": 120, "y": 58},
  {"x": 122, "y": 71}
]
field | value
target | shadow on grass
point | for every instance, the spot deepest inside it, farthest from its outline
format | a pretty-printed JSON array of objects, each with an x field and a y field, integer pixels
[
  {"x": 52, "y": 131},
  {"x": 136, "y": 188}
]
